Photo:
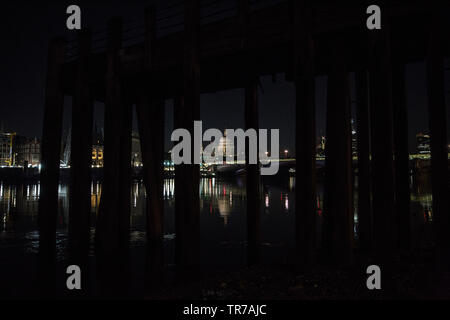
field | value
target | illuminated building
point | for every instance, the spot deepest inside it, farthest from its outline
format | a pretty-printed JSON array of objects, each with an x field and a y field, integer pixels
[
  {"x": 6, "y": 148},
  {"x": 423, "y": 143},
  {"x": 97, "y": 150},
  {"x": 27, "y": 151},
  {"x": 224, "y": 145}
]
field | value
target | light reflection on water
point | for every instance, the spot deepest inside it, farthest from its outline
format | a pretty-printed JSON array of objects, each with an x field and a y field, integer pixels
[{"x": 222, "y": 207}]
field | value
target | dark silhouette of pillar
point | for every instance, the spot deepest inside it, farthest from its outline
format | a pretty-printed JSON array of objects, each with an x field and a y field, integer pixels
[
  {"x": 383, "y": 191},
  {"x": 187, "y": 176},
  {"x": 151, "y": 132},
  {"x": 113, "y": 221},
  {"x": 338, "y": 211},
  {"x": 305, "y": 132},
  {"x": 252, "y": 170},
  {"x": 363, "y": 142},
  {"x": 126, "y": 119},
  {"x": 50, "y": 160},
  {"x": 401, "y": 155},
  {"x": 438, "y": 135},
  {"x": 150, "y": 114},
  {"x": 180, "y": 197},
  {"x": 108, "y": 217},
  {"x": 252, "y": 178},
  {"x": 81, "y": 159}
]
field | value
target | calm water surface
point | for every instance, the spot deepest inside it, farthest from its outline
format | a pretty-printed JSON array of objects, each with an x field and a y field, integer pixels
[{"x": 223, "y": 219}]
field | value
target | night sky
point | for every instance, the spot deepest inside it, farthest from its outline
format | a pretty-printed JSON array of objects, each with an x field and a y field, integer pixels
[{"x": 28, "y": 27}]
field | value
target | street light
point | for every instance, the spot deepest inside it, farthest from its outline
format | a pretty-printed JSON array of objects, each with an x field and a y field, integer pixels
[{"x": 286, "y": 153}]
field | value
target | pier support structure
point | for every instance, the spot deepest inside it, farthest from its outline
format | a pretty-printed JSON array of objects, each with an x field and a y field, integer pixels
[
  {"x": 338, "y": 208},
  {"x": 437, "y": 114},
  {"x": 113, "y": 221},
  {"x": 252, "y": 177},
  {"x": 305, "y": 132},
  {"x": 187, "y": 176},
  {"x": 81, "y": 159},
  {"x": 383, "y": 190},
  {"x": 363, "y": 143},
  {"x": 401, "y": 155},
  {"x": 50, "y": 161},
  {"x": 150, "y": 114}
]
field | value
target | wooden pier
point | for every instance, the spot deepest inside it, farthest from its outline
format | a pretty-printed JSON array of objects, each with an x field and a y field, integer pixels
[{"x": 231, "y": 49}]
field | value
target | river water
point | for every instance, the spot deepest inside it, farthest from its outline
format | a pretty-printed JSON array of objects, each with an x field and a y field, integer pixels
[{"x": 222, "y": 219}]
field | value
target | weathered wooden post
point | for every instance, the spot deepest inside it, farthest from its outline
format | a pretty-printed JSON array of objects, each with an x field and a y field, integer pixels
[
  {"x": 50, "y": 160},
  {"x": 151, "y": 131},
  {"x": 363, "y": 141},
  {"x": 150, "y": 113},
  {"x": 338, "y": 210},
  {"x": 113, "y": 223},
  {"x": 252, "y": 178},
  {"x": 108, "y": 216},
  {"x": 401, "y": 155},
  {"x": 187, "y": 176},
  {"x": 81, "y": 158},
  {"x": 252, "y": 170},
  {"x": 383, "y": 191},
  {"x": 438, "y": 135},
  {"x": 305, "y": 131}
]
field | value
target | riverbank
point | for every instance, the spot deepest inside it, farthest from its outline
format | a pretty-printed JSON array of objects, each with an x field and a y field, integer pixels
[{"x": 414, "y": 276}]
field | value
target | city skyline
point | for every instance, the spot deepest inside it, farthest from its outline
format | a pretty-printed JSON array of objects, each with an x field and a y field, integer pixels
[{"x": 23, "y": 90}]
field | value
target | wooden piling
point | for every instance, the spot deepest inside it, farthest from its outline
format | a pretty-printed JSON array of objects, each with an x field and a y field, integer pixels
[
  {"x": 187, "y": 176},
  {"x": 252, "y": 178},
  {"x": 401, "y": 155},
  {"x": 181, "y": 204},
  {"x": 113, "y": 221},
  {"x": 150, "y": 115},
  {"x": 437, "y": 115},
  {"x": 50, "y": 161},
  {"x": 363, "y": 142},
  {"x": 305, "y": 131},
  {"x": 251, "y": 122},
  {"x": 383, "y": 191},
  {"x": 108, "y": 216},
  {"x": 81, "y": 159},
  {"x": 338, "y": 210}
]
